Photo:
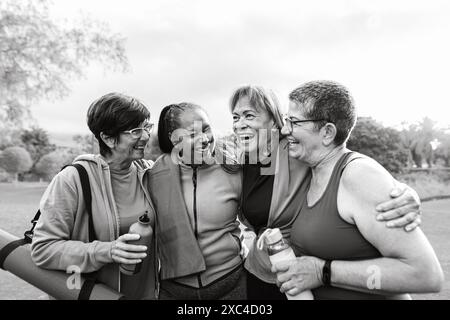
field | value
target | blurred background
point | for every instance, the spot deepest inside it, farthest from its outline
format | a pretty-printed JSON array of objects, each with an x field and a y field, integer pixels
[{"x": 56, "y": 57}]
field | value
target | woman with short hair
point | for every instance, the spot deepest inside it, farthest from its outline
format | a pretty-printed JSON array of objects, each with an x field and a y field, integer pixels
[
  {"x": 343, "y": 251},
  {"x": 118, "y": 179}
]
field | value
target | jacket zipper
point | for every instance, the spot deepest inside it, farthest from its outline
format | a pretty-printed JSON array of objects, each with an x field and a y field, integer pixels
[{"x": 194, "y": 181}]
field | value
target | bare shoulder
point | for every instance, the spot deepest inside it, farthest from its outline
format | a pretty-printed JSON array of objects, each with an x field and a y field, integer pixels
[
  {"x": 367, "y": 178},
  {"x": 364, "y": 184}
]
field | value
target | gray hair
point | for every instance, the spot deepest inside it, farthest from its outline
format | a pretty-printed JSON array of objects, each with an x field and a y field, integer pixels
[{"x": 330, "y": 101}]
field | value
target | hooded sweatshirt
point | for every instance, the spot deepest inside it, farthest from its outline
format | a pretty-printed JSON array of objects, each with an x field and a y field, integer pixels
[{"x": 61, "y": 239}]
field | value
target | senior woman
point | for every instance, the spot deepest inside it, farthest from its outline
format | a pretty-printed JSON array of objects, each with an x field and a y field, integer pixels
[
  {"x": 272, "y": 192},
  {"x": 343, "y": 252},
  {"x": 118, "y": 179},
  {"x": 196, "y": 195}
]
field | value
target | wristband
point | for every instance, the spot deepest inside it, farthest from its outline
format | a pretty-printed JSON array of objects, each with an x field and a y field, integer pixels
[{"x": 326, "y": 273}]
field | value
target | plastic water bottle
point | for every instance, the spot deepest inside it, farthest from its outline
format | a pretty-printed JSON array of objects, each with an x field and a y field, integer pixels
[
  {"x": 279, "y": 250},
  {"x": 143, "y": 228}
]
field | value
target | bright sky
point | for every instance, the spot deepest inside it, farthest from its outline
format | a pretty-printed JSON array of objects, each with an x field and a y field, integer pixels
[{"x": 392, "y": 55}]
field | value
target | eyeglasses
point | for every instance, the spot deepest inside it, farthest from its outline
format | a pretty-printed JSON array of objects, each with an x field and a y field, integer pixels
[
  {"x": 136, "y": 133},
  {"x": 291, "y": 123}
]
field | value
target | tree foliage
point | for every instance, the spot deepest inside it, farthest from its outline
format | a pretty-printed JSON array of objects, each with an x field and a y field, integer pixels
[
  {"x": 40, "y": 55},
  {"x": 37, "y": 143},
  {"x": 15, "y": 160},
  {"x": 50, "y": 164},
  {"x": 381, "y": 143},
  {"x": 417, "y": 138},
  {"x": 86, "y": 143},
  {"x": 443, "y": 150}
]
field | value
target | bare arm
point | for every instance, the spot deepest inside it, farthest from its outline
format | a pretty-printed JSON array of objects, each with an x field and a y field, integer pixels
[{"x": 409, "y": 263}]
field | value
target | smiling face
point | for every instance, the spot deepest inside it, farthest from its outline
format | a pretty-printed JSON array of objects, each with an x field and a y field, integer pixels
[
  {"x": 305, "y": 142},
  {"x": 248, "y": 120},
  {"x": 195, "y": 135},
  {"x": 125, "y": 148}
]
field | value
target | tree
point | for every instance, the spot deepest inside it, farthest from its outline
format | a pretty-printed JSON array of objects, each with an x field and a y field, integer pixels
[
  {"x": 37, "y": 143},
  {"x": 9, "y": 136},
  {"x": 50, "y": 164},
  {"x": 443, "y": 150},
  {"x": 380, "y": 143},
  {"x": 417, "y": 138},
  {"x": 40, "y": 55},
  {"x": 86, "y": 143},
  {"x": 15, "y": 160}
]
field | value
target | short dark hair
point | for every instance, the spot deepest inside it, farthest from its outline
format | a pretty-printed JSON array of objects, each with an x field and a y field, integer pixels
[
  {"x": 114, "y": 113},
  {"x": 327, "y": 100}
]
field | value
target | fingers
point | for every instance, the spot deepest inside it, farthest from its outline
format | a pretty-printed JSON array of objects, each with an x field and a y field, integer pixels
[
  {"x": 131, "y": 247},
  {"x": 122, "y": 244},
  {"x": 403, "y": 221},
  {"x": 413, "y": 225},
  {"x": 293, "y": 292},
  {"x": 120, "y": 256},
  {"x": 394, "y": 204},
  {"x": 122, "y": 252},
  {"x": 129, "y": 237},
  {"x": 121, "y": 260},
  {"x": 127, "y": 254},
  {"x": 282, "y": 266},
  {"x": 398, "y": 212},
  {"x": 287, "y": 286},
  {"x": 398, "y": 190}
]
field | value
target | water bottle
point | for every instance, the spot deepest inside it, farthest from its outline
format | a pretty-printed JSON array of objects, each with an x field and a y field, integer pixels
[
  {"x": 144, "y": 229},
  {"x": 279, "y": 250}
]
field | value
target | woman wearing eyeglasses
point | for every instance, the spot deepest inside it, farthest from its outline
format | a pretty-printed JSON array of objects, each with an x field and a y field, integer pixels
[
  {"x": 343, "y": 252},
  {"x": 118, "y": 179},
  {"x": 272, "y": 184}
]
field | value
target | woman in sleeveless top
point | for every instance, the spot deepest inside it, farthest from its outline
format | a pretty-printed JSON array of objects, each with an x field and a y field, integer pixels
[
  {"x": 343, "y": 252},
  {"x": 273, "y": 184}
]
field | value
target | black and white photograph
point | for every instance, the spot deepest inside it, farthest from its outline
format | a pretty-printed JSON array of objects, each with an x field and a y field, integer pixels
[{"x": 238, "y": 151}]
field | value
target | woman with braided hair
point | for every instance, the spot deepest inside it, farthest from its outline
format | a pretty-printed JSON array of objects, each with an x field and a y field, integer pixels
[{"x": 196, "y": 198}]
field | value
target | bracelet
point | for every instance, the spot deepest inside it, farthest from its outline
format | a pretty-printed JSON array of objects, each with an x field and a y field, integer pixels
[{"x": 326, "y": 273}]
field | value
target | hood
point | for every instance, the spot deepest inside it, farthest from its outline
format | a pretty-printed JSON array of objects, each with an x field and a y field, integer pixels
[{"x": 99, "y": 161}]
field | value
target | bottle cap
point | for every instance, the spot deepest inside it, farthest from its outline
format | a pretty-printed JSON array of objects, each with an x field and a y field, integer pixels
[
  {"x": 273, "y": 236},
  {"x": 144, "y": 218}
]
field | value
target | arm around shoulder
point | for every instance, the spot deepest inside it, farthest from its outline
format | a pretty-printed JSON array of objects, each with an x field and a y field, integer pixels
[{"x": 408, "y": 262}]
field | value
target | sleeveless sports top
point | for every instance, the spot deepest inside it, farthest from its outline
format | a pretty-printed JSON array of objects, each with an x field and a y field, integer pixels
[{"x": 320, "y": 231}]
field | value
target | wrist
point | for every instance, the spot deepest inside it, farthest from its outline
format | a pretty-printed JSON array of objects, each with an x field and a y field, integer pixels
[{"x": 103, "y": 252}]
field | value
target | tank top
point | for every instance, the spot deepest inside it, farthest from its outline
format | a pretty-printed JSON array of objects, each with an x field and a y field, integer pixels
[{"x": 320, "y": 231}]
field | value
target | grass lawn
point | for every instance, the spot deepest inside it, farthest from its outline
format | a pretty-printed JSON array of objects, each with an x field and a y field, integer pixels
[{"x": 18, "y": 204}]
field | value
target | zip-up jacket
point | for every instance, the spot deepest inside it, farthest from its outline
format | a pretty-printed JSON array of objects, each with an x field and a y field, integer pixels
[
  {"x": 61, "y": 235},
  {"x": 199, "y": 236}
]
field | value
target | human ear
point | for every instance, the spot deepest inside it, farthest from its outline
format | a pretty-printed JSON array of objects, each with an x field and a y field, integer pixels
[
  {"x": 329, "y": 132},
  {"x": 108, "y": 140}
]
